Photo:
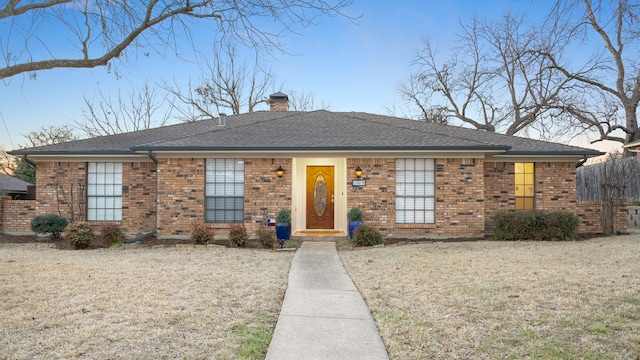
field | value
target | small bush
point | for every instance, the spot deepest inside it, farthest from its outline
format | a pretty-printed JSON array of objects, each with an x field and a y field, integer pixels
[
  {"x": 201, "y": 233},
  {"x": 266, "y": 237},
  {"x": 355, "y": 214},
  {"x": 634, "y": 203},
  {"x": 49, "y": 224},
  {"x": 79, "y": 235},
  {"x": 535, "y": 225},
  {"x": 284, "y": 216},
  {"x": 111, "y": 235},
  {"x": 238, "y": 235},
  {"x": 367, "y": 235}
]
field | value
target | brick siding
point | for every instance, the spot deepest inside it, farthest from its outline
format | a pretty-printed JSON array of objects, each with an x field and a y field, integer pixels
[
  {"x": 181, "y": 184},
  {"x": 377, "y": 198},
  {"x": 264, "y": 192},
  {"x": 468, "y": 194},
  {"x": 16, "y": 215},
  {"x": 590, "y": 216}
]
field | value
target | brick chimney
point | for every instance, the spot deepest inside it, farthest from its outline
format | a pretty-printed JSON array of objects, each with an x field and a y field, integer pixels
[{"x": 278, "y": 102}]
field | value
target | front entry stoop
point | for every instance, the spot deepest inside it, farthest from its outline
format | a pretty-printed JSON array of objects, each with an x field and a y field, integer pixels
[{"x": 319, "y": 235}]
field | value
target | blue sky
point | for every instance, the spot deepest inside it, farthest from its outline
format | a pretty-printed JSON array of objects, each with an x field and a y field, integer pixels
[{"x": 351, "y": 67}]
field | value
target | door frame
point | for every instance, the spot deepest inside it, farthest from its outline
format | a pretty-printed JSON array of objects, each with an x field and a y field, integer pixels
[{"x": 299, "y": 191}]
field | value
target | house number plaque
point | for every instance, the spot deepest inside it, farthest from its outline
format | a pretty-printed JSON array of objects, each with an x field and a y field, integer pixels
[{"x": 358, "y": 182}]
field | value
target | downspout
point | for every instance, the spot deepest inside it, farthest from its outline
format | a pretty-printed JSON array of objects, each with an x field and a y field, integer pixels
[
  {"x": 153, "y": 158},
  {"x": 154, "y": 231},
  {"x": 582, "y": 162},
  {"x": 25, "y": 159}
]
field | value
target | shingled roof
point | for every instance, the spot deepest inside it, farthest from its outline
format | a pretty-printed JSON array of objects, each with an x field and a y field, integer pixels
[{"x": 319, "y": 130}]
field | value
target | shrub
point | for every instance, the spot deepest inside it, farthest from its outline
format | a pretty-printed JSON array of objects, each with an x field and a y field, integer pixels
[
  {"x": 367, "y": 235},
  {"x": 49, "y": 224},
  {"x": 266, "y": 237},
  {"x": 201, "y": 233},
  {"x": 354, "y": 214},
  {"x": 238, "y": 235},
  {"x": 111, "y": 235},
  {"x": 284, "y": 216},
  {"x": 79, "y": 235},
  {"x": 535, "y": 225},
  {"x": 634, "y": 202}
]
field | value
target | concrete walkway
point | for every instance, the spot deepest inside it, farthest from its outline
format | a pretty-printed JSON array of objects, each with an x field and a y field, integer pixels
[{"x": 323, "y": 315}]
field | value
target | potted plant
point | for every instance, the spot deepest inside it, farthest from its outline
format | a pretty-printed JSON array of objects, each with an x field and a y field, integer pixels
[
  {"x": 283, "y": 225},
  {"x": 355, "y": 220}
]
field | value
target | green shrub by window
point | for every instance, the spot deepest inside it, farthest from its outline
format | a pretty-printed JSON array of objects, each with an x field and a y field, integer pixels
[
  {"x": 367, "y": 235},
  {"x": 535, "y": 225},
  {"x": 266, "y": 237},
  {"x": 79, "y": 235},
  {"x": 49, "y": 224},
  {"x": 111, "y": 235},
  {"x": 201, "y": 233},
  {"x": 238, "y": 235}
]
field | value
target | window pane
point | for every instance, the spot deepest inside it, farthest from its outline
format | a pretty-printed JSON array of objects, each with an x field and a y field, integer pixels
[
  {"x": 415, "y": 191},
  {"x": 104, "y": 191},
  {"x": 528, "y": 190},
  {"x": 224, "y": 190}
]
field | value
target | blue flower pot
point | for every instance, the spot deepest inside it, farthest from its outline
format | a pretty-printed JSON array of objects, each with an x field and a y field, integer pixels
[
  {"x": 353, "y": 225},
  {"x": 283, "y": 231}
]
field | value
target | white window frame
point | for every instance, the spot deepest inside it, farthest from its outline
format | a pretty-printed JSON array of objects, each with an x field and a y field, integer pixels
[
  {"x": 104, "y": 191},
  {"x": 415, "y": 191},
  {"x": 224, "y": 191}
]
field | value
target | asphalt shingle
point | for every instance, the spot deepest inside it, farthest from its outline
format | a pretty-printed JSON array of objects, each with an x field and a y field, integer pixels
[{"x": 315, "y": 130}]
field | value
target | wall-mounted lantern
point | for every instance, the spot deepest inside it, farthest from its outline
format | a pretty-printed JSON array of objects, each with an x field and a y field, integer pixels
[
  {"x": 280, "y": 171},
  {"x": 358, "y": 172}
]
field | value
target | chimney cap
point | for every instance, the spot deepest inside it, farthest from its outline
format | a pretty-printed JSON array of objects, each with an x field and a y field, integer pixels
[{"x": 278, "y": 98}]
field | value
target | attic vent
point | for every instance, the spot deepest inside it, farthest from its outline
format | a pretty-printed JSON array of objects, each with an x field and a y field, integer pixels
[{"x": 222, "y": 119}]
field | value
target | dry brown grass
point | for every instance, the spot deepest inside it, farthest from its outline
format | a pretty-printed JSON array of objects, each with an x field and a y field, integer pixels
[
  {"x": 488, "y": 300},
  {"x": 137, "y": 303}
]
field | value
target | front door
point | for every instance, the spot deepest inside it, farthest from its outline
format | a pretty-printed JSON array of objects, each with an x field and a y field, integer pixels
[{"x": 320, "y": 197}]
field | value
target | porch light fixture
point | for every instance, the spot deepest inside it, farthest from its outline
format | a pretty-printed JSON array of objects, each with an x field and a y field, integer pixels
[
  {"x": 358, "y": 172},
  {"x": 280, "y": 171}
]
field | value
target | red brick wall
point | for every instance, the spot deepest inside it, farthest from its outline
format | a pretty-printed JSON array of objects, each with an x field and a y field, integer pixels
[
  {"x": 499, "y": 193},
  {"x": 264, "y": 192},
  {"x": 180, "y": 195},
  {"x": 377, "y": 198},
  {"x": 555, "y": 184},
  {"x": 459, "y": 198},
  {"x": 139, "y": 197},
  {"x": 590, "y": 216},
  {"x": 61, "y": 189},
  {"x": 460, "y": 208},
  {"x": 16, "y": 215}
]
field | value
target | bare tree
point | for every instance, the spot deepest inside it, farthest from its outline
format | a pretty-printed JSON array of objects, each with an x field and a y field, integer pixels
[
  {"x": 93, "y": 33},
  {"x": 304, "y": 101},
  {"x": 616, "y": 175},
  {"x": 493, "y": 81},
  {"x": 49, "y": 135},
  {"x": 139, "y": 109},
  {"x": 231, "y": 85},
  {"x": 608, "y": 79}
]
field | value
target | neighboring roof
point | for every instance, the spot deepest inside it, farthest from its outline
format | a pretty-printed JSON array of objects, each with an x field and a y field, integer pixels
[
  {"x": 13, "y": 185},
  {"x": 308, "y": 131}
]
